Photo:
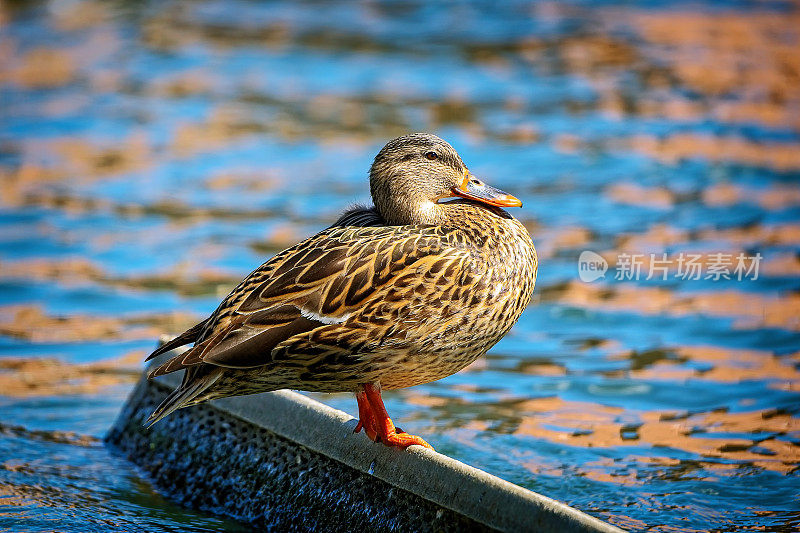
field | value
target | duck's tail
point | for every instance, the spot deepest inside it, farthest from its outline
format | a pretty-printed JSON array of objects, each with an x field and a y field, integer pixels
[
  {"x": 189, "y": 393},
  {"x": 190, "y": 335}
]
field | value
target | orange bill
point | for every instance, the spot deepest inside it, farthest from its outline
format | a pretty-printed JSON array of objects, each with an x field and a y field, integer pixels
[{"x": 474, "y": 189}]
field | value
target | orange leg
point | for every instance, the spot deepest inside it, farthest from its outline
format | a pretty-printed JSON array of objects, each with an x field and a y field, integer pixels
[
  {"x": 366, "y": 420},
  {"x": 376, "y": 423}
]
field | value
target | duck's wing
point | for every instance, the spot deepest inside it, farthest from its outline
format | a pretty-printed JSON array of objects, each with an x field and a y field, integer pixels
[
  {"x": 340, "y": 277},
  {"x": 356, "y": 215}
]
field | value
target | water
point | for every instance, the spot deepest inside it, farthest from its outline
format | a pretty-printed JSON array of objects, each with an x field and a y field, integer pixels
[{"x": 152, "y": 155}]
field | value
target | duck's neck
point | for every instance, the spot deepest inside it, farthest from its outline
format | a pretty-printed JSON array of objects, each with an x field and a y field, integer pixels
[
  {"x": 453, "y": 213},
  {"x": 404, "y": 209},
  {"x": 500, "y": 238}
]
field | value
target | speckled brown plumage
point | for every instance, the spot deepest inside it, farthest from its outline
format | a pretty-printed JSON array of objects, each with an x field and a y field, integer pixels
[{"x": 401, "y": 294}]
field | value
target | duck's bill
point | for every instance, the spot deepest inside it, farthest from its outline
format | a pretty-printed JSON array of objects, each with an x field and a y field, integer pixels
[{"x": 475, "y": 189}]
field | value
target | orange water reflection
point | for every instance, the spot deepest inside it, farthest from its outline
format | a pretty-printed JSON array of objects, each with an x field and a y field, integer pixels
[
  {"x": 746, "y": 310},
  {"x": 25, "y": 378}
]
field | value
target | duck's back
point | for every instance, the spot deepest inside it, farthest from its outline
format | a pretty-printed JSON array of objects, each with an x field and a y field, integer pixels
[{"x": 359, "y": 215}]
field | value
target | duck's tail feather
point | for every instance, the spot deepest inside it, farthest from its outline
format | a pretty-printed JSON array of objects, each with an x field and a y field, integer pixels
[
  {"x": 190, "y": 335},
  {"x": 189, "y": 393}
]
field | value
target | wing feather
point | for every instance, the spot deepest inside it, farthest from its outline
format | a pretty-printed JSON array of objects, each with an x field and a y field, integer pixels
[{"x": 188, "y": 336}]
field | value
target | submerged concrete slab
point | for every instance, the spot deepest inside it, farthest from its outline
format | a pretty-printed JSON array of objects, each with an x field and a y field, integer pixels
[{"x": 284, "y": 461}]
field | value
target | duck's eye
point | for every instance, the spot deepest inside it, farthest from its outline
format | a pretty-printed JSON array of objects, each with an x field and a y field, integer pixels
[{"x": 432, "y": 155}]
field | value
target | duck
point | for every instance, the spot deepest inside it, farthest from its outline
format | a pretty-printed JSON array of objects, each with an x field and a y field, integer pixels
[{"x": 404, "y": 292}]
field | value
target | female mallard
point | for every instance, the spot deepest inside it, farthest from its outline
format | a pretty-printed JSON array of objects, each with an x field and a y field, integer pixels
[{"x": 407, "y": 292}]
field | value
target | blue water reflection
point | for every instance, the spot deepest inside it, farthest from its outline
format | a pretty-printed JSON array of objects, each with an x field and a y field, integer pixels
[{"x": 152, "y": 155}]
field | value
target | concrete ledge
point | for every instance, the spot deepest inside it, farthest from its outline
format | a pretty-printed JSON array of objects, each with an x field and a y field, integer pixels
[{"x": 192, "y": 456}]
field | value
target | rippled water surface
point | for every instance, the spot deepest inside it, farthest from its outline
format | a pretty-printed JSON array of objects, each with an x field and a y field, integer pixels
[{"x": 152, "y": 154}]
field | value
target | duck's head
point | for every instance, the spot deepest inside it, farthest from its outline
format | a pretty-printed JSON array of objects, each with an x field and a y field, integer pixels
[{"x": 413, "y": 177}]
